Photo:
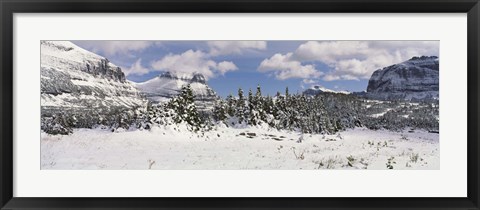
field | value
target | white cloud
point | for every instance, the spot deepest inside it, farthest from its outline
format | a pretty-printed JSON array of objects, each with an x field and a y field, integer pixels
[
  {"x": 308, "y": 81},
  {"x": 234, "y": 47},
  {"x": 353, "y": 60},
  {"x": 136, "y": 68},
  {"x": 193, "y": 62},
  {"x": 226, "y": 66},
  {"x": 329, "y": 52},
  {"x": 111, "y": 48},
  {"x": 283, "y": 67}
]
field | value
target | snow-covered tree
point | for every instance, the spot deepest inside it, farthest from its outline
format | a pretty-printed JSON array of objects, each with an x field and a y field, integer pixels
[
  {"x": 56, "y": 124},
  {"x": 220, "y": 110},
  {"x": 241, "y": 108},
  {"x": 260, "y": 105},
  {"x": 252, "y": 112},
  {"x": 184, "y": 108},
  {"x": 231, "y": 105}
]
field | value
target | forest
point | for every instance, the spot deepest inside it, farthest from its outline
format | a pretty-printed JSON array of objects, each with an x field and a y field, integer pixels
[{"x": 324, "y": 113}]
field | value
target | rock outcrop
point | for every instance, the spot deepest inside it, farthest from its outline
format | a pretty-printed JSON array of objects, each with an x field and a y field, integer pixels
[
  {"x": 75, "y": 79},
  {"x": 414, "y": 79}
]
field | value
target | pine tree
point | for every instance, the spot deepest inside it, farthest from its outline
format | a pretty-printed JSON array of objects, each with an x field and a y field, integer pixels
[
  {"x": 252, "y": 112},
  {"x": 193, "y": 117},
  {"x": 292, "y": 112},
  {"x": 281, "y": 117},
  {"x": 184, "y": 109},
  {"x": 252, "y": 100},
  {"x": 258, "y": 94},
  {"x": 260, "y": 105},
  {"x": 220, "y": 110},
  {"x": 231, "y": 104},
  {"x": 241, "y": 108},
  {"x": 324, "y": 119}
]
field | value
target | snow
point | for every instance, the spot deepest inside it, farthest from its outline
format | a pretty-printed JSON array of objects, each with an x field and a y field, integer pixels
[
  {"x": 333, "y": 91},
  {"x": 168, "y": 86},
  {"x": 65, "y": 55},
  {"x": 165, "y": 87},
  {"x": 243, "y": 147},
  {"x": 69, "y": 83},
  {"x": 381, "y": 113},
  {"x": 318, "y": 88},
  {"x": 64, "y": 66}
]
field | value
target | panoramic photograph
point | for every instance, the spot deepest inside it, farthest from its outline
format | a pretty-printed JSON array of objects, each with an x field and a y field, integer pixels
[{"x": 239, "y": 105}]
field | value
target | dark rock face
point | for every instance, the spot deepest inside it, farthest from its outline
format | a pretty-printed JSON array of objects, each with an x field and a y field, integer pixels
[
  {"x": 199, "y": 78},
  {"x": 415, "y": 79},
  {"x": 104, "y": 70},
  {"x": 167, "y": 75}
]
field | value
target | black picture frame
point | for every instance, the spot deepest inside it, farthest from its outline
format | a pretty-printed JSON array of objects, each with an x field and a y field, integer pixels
[{"x": 9, "y": 7}]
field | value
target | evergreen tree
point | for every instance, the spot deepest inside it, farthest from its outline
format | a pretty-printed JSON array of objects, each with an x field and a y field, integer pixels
[
  {"x": 291, "y": 111},
  {"x": 324, "y": 118},
  {"x": 258, "y": 94},
  {"x": 231, "y": 105},
  {"x": 184, "y": 109},
  {"x": 250, "y": 98},
  {"x": 281, "y": 117},
  {"x": 252, "y": 112},
  {"x": 260, "y": 105},
  {"x": 241, "y": 108},
  {"x": 270, "y": 111},
  {"x": 220, "y": 110}
]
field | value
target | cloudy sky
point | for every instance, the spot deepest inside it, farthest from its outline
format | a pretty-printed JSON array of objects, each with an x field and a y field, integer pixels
[{"x": 228, "y": 65}]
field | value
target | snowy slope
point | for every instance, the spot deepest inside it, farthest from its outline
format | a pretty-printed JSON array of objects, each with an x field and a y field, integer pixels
[
  {"x": 74, "y": 78},
  {"x": 66, "y": 56},
  {"x": 314, "y": 90},
  {"x": 414, "y": 79},
  {"x": 226, "y": 148},
  {"x": 168, "y": 85}
]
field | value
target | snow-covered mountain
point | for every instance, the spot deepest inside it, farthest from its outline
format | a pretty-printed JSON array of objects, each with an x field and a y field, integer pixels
[
  {"x": 169, "y": 84},
  {"x": 73, "y": 78},
  {"x": 316, "y": 89},
  {"x": 414, "y": 79}
]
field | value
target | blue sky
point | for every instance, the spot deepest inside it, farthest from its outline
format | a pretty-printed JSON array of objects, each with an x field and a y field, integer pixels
[{"x": 228, "y": 65}]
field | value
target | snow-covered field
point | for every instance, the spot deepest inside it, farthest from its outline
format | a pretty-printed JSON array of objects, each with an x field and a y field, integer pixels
[{"x": 239, "y": 148}]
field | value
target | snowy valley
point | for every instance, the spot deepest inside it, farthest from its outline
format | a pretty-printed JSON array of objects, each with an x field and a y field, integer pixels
[
  {"x": 237, "y": 149},
  {"x": 94, "y": 118}
]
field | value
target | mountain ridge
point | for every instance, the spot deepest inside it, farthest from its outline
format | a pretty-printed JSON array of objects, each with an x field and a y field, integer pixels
[
  {"x": 317, "y": 89},
  {"x": 414, "y": 79},
  {"x": 169, "y": 84},
  {"x": 76, "y": 78}
]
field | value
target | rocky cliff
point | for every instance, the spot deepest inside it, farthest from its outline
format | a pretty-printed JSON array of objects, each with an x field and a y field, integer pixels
[
  {"x": 414, "y": 79},
  {"x": 76, "y": 80}
]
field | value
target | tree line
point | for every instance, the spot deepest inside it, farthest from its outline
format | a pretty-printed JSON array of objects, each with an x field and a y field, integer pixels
[{"x": 324, "y": 113}]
